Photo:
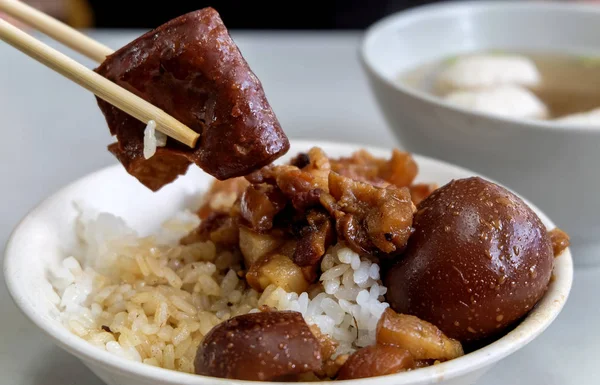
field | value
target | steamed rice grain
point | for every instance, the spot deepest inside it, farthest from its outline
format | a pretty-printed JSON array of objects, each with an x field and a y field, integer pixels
[
  {"x": 153, "y": 139},
  {"x": 152, "y": 300}
]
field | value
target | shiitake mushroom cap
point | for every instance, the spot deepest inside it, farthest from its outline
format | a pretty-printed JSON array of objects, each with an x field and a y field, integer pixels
[{"x": 264, "y": 346}]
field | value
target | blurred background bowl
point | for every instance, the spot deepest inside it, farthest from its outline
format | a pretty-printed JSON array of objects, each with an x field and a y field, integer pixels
[{"x": 553, "y": 165}]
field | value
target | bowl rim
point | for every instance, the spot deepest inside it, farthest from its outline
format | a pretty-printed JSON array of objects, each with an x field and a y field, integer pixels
[
  {"x": 539, "y": 318},
  {"x": 377, "y": 29}
]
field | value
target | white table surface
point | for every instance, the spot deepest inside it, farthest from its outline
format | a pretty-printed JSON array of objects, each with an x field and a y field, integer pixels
[{"x": 53, "y": 133}]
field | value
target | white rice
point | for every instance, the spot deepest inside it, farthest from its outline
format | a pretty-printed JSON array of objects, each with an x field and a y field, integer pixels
[
  {"x": 153, "y": 139},
  {"x": 152, "y": 300},
  {"x": 346, "y": 305}
]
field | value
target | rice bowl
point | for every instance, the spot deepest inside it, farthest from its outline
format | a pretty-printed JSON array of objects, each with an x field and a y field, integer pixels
[{"x": 52, "y": 223}]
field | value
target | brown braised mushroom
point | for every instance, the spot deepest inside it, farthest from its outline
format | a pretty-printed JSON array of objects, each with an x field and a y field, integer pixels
[
  {"x": 422, "y": 339},
  {"x": 263, "y": 346},
  {"x": 376, "y": 360},
  {"x": 192, "y": 69},
  {"x": 478, "y": 261}
]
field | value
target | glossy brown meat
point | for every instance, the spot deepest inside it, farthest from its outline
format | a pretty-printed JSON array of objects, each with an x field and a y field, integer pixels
[
  {"x": 298, "y": 210},
  {"x": 422, "y": 339},
  {"x": 375, "y": 222},
  {"x": 560, "y": 241},
  {"x": 306, "y": 172},
  {"x": 420, "y": 191},
  {"x": 163, "y": 168},
  {"x": 478, "y": 261},
  {"x": 376, "y": 360},
  {"x": 263, "y": 346},
  {"x": 191, "y": 68},
  {"x": 259, "y": 204},
  {"x": 301, "y": 187},
  {"x": 314, "y": 239},
  {"x": 400, "y": 170}
]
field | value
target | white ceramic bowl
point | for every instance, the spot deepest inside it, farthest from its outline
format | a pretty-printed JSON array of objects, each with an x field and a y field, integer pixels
[
  {"x": 555, "y": 166},
  {"x": 40, "y": 241}
]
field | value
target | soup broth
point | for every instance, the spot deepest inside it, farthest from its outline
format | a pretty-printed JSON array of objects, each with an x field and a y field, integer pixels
[{"x": 569, "y": 84}]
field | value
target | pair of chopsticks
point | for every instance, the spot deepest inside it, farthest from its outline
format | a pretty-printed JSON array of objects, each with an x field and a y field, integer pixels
[{"x": 92, "y": 81}]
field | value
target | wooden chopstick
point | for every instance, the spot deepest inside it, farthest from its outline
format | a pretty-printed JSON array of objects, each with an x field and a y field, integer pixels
[
  {"x": 96, "y": 83},
  {"x": 56, "y": 29},
  {"x": 100, "y": 86}
]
